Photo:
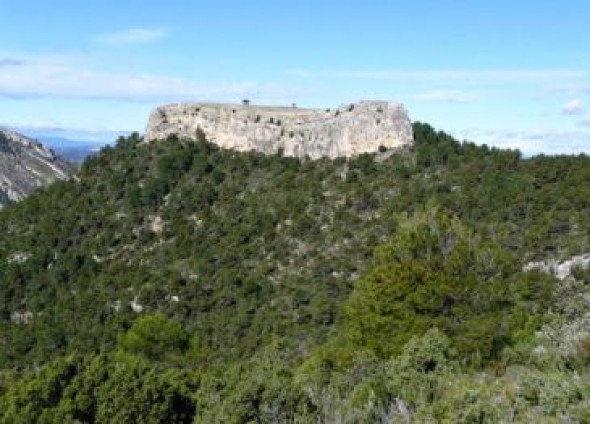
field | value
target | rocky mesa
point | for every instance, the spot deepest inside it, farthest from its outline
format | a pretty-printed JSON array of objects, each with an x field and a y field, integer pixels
[
  {"x": 25, "y": 165},
  {"x": 348, "y": 130}
]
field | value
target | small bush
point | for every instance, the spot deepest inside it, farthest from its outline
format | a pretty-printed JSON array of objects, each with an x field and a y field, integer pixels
[{"x": 154, "y": 337}]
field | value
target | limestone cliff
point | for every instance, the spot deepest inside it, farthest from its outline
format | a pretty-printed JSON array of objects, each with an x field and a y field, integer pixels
[
  {"x": 346, "y": 131},
  {"x": 25, "y": 165}
]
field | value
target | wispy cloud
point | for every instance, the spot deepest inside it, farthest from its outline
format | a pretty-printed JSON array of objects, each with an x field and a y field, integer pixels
[
  {"x": 51, "y": 131},
  {"x": 460, "y": 75},
  {"x": 573, "y": 107},
  {"x": 57, "y": 128},
  {"x": 551, "y": 141},
  {"x": 7, "y": 61},
  {"x": 132, "y": 36},
  {"x": 70, "y": 80},
  {"x": 446, "y": 96}
]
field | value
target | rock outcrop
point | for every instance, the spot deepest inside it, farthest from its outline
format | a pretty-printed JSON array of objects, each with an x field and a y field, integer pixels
[
  {"x": 25, "y": 165},
  {"x": 561, "y": 269},
  {"x": 346, "y": 131}
]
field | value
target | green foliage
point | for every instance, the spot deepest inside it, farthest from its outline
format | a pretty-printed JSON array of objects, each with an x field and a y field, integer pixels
[
  {"x": 437, "y": 273},
  {"x": 283, "y": 290},
  {"x": 95, "y": 389},
  {"x": 257, "y": 390},
  {"x": 154, "y": 337},
  {"x": 140, "y": 394},
  {"x": 34, "y": 398}
]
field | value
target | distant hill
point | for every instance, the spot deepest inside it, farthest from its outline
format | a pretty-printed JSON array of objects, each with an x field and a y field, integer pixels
[
  {"x": 26, "y": 165},
  {"x": 74, "y": 151}
]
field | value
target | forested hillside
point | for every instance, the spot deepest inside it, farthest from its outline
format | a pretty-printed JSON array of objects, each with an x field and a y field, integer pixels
[{"x": 174, "y": 281}]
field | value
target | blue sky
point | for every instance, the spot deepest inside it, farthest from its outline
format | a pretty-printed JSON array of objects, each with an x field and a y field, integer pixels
[{"x": 507, "y": 73}]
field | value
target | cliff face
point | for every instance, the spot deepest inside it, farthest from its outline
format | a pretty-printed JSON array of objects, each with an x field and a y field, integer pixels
[
  {"x": 26, "y": 165},
  {"x": 347, "y": 131}
]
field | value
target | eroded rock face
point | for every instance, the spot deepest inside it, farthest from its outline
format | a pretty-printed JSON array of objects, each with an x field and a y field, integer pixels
[
  {"x": 347, "y": 131},
  {"x": 25, "y": 165}
]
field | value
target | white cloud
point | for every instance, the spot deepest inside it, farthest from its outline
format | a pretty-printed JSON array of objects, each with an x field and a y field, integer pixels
[
  {"x": 446, "y": 96},
  {"x": 8, "y": 61},
  {"x": 86, "y": 135},
  {"x": 459, "y": 75},
  {"x": 573, "y": 107},
  {"x": 57, "y": 127},
  {"x": 132, "y": 36},
  {"x": 53, "y": 78},
  {"x": 530, "y": 142}
]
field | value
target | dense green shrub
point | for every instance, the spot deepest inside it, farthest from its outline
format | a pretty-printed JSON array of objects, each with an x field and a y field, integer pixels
[
  {"x": 154, "y": 337},
  {"x": 438, "y": 273}
]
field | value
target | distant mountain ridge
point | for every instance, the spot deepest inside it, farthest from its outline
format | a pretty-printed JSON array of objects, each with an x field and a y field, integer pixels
[
  {"x": 349, "y": 130},
  {"x": 26, "y": 165},
  {"x": 72, "y": 150}
]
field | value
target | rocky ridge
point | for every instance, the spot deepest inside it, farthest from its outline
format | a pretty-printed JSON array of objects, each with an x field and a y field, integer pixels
[
  {"x": 349, "y": 130},
  {"x": 26, "y": 165}
]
